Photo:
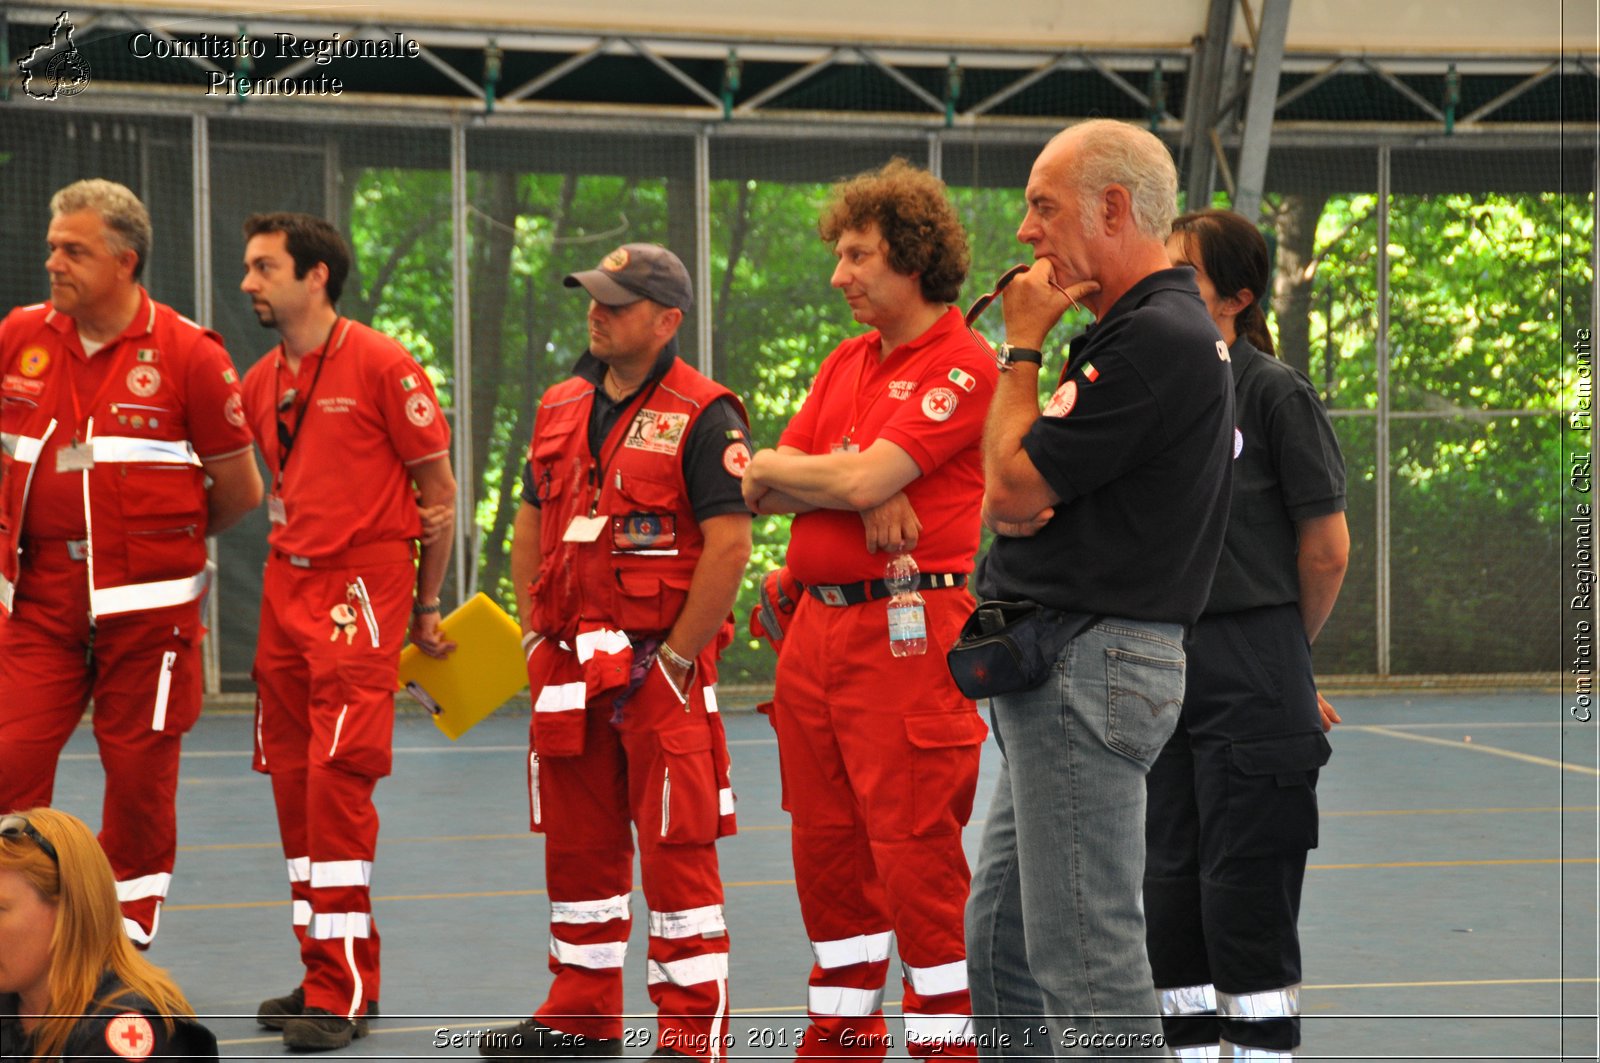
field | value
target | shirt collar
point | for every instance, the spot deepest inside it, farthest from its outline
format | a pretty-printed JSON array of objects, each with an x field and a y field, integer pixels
[
  {"x": 143, "y": 323},
  {"x": 942, "y": 327},
  {"x": 593, "y": 369},
  {"x": 1175, "y": 278}
]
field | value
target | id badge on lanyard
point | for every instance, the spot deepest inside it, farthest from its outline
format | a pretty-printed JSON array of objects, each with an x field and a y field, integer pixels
[{"x": 75, "y": 457}]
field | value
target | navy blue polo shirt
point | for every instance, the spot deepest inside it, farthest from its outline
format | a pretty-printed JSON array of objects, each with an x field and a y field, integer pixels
[
  {"x": 1137, "y": 441},
  {"x": 1288, "y": 469}
]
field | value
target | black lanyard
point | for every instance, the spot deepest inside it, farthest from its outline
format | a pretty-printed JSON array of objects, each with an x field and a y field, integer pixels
[{"x": 286, "y": 437}]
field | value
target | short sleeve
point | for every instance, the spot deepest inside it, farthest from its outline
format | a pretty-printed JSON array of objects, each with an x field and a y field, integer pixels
[
  {"x": 214, "y": 403},
  {"x": 417, "y": 427},
  {"x": 1310, "y": 466},
  {"x": 945, "y": 415},
  {"x": 714, "y": 461},
  {"x": 1102, "y": 421}
]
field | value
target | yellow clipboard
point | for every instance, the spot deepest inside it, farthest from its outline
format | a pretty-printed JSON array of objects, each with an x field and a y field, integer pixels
[{"x": 486, "y": 669}]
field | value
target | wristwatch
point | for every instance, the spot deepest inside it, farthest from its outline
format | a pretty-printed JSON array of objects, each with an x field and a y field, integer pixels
[
  {"x": 1006, "y": 356},
  {"x": 419, "y": 608}
]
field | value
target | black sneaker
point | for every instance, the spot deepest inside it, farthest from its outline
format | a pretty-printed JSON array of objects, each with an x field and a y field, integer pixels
[
  {"x": 531, "y": 1039},
  {"x": 275, "y": 1011},
  {"x": 317, "y": 1030}
]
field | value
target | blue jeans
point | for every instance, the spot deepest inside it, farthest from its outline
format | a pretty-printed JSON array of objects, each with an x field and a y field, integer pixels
[{"x": 1055, "y": 924}]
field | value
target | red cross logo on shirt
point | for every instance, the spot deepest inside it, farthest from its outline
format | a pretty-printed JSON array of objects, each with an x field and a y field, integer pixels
[
  {"x": 938, "y": 403},
  {"x": 144, "y": 380},
  {"x": 130, "y": 1036}
]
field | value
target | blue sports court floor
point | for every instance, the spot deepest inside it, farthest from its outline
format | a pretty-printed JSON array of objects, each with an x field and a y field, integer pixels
[{"x": 1450, "y": 913}]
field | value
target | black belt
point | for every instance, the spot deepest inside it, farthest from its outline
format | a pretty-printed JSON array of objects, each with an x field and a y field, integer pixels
[{"x": 870, "y": 590}]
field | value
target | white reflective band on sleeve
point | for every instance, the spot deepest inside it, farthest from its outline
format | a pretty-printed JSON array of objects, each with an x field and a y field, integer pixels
[
  {"x": 108, "y": 601},
  {"x": 299, "y": 869},
  {"x": 136, "y": 932},
  {"x": 838, "y": 1000},
  {"x": 108, "y": 449},
  {"x": 301, "y": 913},
  {"x": 696, "y": 970},
  {"x": 602, "y": 911},
  {"x": 725, "y": 801},
  {"x": 935, "y": 981},
  {"x": 8, "y": 593},
  {"x": 137, "y": 889},
  {"x": 1188, "y": 1000},
  {"x": 711, "y": 699},
  {"x": 688, "y": 923},
  {"x": 945, "y": 1028},
  {"x": 595, "y": 957},
  {"x": 341, "y": 873},
  {"x": 333, "y": 926},
  {"x": 561, "y": 697},
  {"x": 863, "y": 948},
  {"x": 604, "y": 640},
  {"x": 25, "y": 449},
  {"x": 1205, "y": 1053},
  {"x": 1229, "y": 1050},
  {"x": 1271, "y": 1004}
]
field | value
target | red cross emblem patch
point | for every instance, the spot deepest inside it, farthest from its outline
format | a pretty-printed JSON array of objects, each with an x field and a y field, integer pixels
[
  {"x": 939, "y": 404},
  {"x": 144, "y": 380}
]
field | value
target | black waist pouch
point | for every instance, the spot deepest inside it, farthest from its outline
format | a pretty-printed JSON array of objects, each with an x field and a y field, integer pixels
[{"x": 1010, "y": 646}]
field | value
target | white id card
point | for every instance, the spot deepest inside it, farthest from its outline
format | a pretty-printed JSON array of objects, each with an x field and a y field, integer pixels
[
  {"x": 846, "y": 448},
  {"x": 75, "y": 458},
  {"x": 585, "y": 529},
  {"x": 277, "y": 513}
]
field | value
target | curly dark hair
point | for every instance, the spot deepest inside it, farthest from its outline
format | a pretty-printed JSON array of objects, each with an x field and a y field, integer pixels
[
  {"x": 309, "y": 240},
  {"x": 914, "y": 213}
]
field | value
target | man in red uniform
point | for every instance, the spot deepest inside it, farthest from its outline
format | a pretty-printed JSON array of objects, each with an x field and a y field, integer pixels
[
  {"x": 115, "y": 413},
  {"x": 347, "y": 422},
  {"x": 879, "y": 752},
  {"x": 628, "y": 550}
]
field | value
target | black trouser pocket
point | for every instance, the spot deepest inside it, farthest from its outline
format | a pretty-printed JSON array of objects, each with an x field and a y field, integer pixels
[{"x": 1272, "y": 794}]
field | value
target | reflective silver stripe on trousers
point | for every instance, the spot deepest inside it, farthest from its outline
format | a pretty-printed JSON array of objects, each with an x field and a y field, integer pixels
[
  {"x": 137, "y": 889},
  {"x": 1208, "y": 1053},
  {"x": 845, "y": 952},
  {"x": 939, "y": 980},
  {"x": 604, "y": 910},
  {"x": 1230, "y": 1050},
  {"x": 136, "y": 932},
  {"x": 1188, "y": 1000},
  {"x": 1270, "y": 1004},
  {"x": 107, "y": 601},
  {"x": 841, "y": 1000},
  {"x": 696, "y": 970},
  {"x": 109, "y": 450},
  {"x": 336, "y": 926},
  {"x": 329, "y": 873},
  {"x": 8, "y": 593},
  {"x": 600, "y": 956},
  {"x": 689, "y": 922}
]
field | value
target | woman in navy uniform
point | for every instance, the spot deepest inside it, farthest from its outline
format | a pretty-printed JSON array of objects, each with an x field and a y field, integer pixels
[
  {"x": 72, "y": 986},
  {"x": 1232, "y": 797}
]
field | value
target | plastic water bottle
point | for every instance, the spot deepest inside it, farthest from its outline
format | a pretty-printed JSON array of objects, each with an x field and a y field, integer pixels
[{"x": 908, "y": 620}]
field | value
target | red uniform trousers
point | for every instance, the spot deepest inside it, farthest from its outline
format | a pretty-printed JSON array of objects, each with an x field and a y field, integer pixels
[
  {"x": 879, "y": 757},
  {"x": 146, "y": 683},
  {"x": 664, "y": 768},
  {"x": 324, "y": 732}
]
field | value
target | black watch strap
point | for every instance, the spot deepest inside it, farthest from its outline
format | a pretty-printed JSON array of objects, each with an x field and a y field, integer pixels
[{"x": 1009, "y": 356}]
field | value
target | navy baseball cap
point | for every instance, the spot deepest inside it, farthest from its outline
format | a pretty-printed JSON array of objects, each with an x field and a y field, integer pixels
[{"x": 633, "y": 272}]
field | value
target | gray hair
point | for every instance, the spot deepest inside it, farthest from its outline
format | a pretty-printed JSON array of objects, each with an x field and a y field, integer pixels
[
  {"x": 1118, "y": 153},
  {"x": 127, "y": 220}
]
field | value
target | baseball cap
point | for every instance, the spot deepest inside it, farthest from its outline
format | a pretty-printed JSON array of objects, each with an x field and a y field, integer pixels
[{"x": 633, "y": 272}]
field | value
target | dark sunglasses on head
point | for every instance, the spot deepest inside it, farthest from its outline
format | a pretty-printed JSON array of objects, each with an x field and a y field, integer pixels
[{"x": 14, "y": 826}]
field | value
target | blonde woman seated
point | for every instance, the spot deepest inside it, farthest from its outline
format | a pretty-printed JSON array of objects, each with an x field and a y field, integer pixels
[{"x": 72, "y": 987}]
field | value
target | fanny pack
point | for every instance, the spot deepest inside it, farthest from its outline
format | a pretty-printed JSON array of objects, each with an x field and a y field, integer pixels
[{"x": 1006, "y": 647}]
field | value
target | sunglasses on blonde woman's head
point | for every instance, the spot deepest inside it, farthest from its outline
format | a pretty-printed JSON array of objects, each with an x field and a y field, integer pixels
[{"x": 14, "y": 826}]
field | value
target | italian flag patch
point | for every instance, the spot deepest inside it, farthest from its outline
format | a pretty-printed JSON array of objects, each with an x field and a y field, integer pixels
[
  {"x": 1090, "y": 373},
  {"x": 230, "y": 377},
  {"x": 146, "y": 355},
  {"x": 408, "y": 383},
  {"x": 964, "y": 381}
]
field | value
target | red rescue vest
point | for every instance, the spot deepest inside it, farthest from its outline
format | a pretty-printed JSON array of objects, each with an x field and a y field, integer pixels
[{"x": 145, "y": 502}]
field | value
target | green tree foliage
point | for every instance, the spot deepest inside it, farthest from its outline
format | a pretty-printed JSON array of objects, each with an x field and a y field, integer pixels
[{"x": 1475, "y": 354}]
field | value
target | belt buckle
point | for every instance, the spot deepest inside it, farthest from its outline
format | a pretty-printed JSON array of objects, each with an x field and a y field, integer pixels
[
  {"x": 832, "y": 596},
  {"x": 78, "y": 549}
]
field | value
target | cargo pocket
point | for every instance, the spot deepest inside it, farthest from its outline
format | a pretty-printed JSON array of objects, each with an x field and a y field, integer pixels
[
  {"x": 684, "y": 793},
  {"x": 1272, "y": 797},
  {"x": 162, "y": 523},
  {"x": 944, "y": 768},
  {"x": 357, "y": 739},
  {"x": 176, "y": 684},
  {"x": 1143, "y": 698}
]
